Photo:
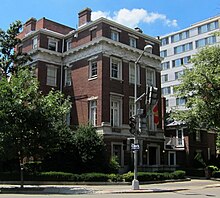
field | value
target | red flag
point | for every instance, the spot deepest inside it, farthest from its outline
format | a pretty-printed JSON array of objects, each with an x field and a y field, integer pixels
[{"x": 156, "y": 114}]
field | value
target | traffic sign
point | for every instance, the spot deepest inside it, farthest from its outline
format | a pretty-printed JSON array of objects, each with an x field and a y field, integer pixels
[{"x": 135, "y": 147}]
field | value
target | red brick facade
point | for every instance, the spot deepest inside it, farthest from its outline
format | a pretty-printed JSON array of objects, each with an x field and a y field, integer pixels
[{"x": 92, "y": 42}]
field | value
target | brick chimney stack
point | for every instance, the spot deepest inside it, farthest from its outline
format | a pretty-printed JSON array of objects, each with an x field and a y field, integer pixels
[
  {"x": 30, "y": 25},
  {"x": 84, "y": 16}
]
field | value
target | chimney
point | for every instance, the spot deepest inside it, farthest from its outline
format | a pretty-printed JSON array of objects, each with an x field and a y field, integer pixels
[
  {"x": 30, "y": 25},
  {"x": 84, "y": 16},
  {"x": 138, "y": 29}
]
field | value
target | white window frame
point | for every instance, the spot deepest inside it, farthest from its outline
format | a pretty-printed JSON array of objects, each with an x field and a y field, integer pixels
[
  {"x": 179, "y": 137},
  {"x": 91, "y": 69},
  {"x": 132, "y": 73},
  {"x": 52, "y": 42},
  {"x": 93, "y": 112},
  {"x": 68, "y": 44},
  {"x": 34, "y": 42},
  {"x": 118, "y": 62},
  {"x": 51, "y": 79},
  {"x": 150, "y": 77},
  {"x": 164, "y": 78},
  {"x": 133, "y": 42},
  {"x": 68, "y": 77},
  {"x": 115, "y": 111},
  {"x": 114, "y": 35}
]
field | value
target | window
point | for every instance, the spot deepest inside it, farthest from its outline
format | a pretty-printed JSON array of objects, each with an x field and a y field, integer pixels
[
  {"x": 198, "y": 136},
  {"x": 92, "y": 69},
  {"x": 51, "y": 76},
  {"x": 166, "y": 91},
  {"x": 131, "y": 107},
  {"x": 114, "y": 35},
  {"x": 180, "y": 36},
  {"x": 150, "y": 77},
  {"x": 179, "y": 136},
  {"x": 163, "y": 53},
  {"x": 115, "y": 112},
  {"x": 116, "y": 70},
  {"x": 68, "y": 45},
  {"x": 175, "y": 38},
  {"x": 133, "y": 42},
  {"x": 150, "y": 125},
  {"x": 165, "y": 65},
  {"x": 167, "y": 102},
  {"x": 165, "y": 41},
  {"x": 117, "y": 152},
  {"x": 205, "y": 41},
  {"x": 93, "y": 112},
  {"x": 171, "y": 158},
  {"x": 68, "y": 79},
  {"x": 180, "y": 101},
  {"x": 52, "y": 44},
  {"x": 181, "y": 61},
  {"x": 132, "y": 73},
  {"x": 208, "y": 27},
  {"x": 178, "y": 74},
  {"x": 34, "y": 43},
  {"x": 164, "y": 78},
  {"x": 183, "y": 48}
]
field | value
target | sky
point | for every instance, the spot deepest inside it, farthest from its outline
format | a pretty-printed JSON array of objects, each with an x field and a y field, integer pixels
[{"x": 154, "y": 17}]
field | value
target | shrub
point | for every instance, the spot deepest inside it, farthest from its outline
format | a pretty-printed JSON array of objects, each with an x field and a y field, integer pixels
[
  {"x": 94, "y": 177},
  {"x": 115, "y": 177},
  {"x": 114, "y": 165},
  {"x": 216, "y": 174}
]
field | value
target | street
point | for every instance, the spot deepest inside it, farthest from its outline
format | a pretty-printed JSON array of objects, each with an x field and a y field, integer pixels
[{"x": 194, "y": 188}]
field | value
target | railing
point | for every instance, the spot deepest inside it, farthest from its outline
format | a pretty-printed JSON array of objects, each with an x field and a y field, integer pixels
[{"x": 174, "y": 143}]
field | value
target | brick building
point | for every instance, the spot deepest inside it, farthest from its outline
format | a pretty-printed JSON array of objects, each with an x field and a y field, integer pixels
[{"x": 94, "y": 65}]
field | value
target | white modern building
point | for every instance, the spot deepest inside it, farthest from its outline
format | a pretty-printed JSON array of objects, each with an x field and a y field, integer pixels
[{"x": 177, "y": 48}]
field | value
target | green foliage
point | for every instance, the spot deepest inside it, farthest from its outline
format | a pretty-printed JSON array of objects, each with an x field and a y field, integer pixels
[
  {"x": 93, "y": 177},
  {"x": 8, "y": 56},
  {"x": 200, "y": 85},
  {"x": 31, "y": 124},
  {"x": 114, "y": 165},
  {"x": 153, "y": 176},
  {"x": 90, "y": 148}
]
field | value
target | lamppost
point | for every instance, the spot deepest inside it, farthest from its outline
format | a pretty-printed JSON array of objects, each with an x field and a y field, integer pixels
[{"x": 135, "y": 182}]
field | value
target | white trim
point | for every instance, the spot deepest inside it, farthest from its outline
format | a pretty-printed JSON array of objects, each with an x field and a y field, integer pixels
[
  {"x": 115, "y": 29},
  {"x": 92, "y": 98}
]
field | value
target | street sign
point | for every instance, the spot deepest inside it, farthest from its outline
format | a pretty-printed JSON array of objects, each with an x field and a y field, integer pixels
[{"x": 135, "y": 147}]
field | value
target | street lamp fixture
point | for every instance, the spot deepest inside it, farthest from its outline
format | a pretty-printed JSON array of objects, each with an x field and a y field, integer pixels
[{"x": 135, "y": 182}]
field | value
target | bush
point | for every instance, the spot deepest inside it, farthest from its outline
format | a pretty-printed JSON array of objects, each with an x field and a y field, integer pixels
[
  {"x": 94, "y": 177},
  {"x": 216, "y": 174},
  {"x": 152, "y": 176},
  {"x": 114, "y": 165}
]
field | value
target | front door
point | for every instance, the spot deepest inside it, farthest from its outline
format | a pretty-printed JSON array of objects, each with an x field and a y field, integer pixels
[{"x": 152, "y": 155}]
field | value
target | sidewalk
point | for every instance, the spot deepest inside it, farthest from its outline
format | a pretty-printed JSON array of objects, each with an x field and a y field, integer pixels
[
  {"x": 108, "y": 189},
  {"x": 85, "y": 189}
]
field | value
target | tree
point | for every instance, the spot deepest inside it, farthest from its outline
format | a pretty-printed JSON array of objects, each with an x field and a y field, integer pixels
[
  {"x": 32, "y": 124},
  {"x": 90, "y": 148},
  {"x": 201, "y": 87},
  {"x": 9, "y": 58}
]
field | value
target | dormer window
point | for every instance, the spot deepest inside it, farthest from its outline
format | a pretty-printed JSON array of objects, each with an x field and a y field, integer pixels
[
  {"x": 53, "y": 44},
  {"x": 133, "y": 42},
  {"x": 115, "y": 33}
]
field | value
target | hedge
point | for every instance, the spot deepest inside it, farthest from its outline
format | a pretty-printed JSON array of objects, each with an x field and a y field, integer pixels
[{"x": 92, "y": 177}]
